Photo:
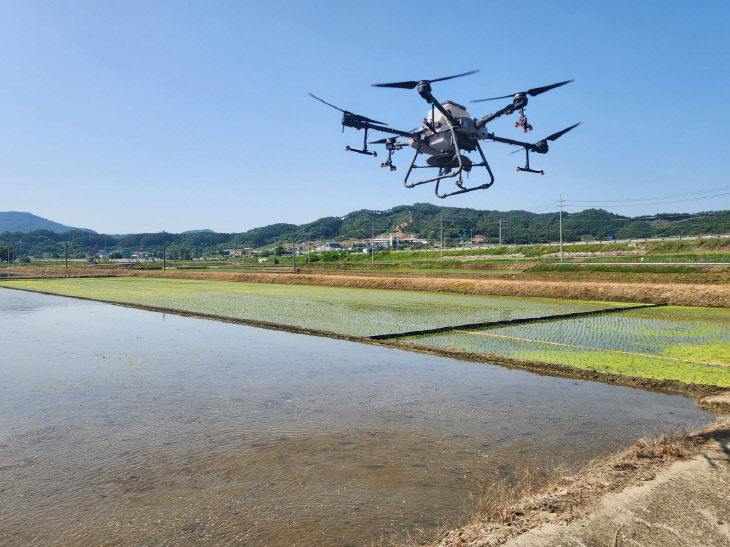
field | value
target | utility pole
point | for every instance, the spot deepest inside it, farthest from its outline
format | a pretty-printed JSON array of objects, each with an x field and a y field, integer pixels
[
  {"x": 500, "y": 232},
  {"x": 308, "y": 236},
  {"x": 293, "y": 255},
  {"x": 372, "y": 242},
  {"x": 441, "y": 247},
  {"x": 164, "y": 252},
  {"x": 66, "y": 254},
  {"x": 561, "y": 228}
]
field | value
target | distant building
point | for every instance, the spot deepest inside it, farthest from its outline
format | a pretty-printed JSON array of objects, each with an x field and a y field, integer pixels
[
  {"x": 330, "y": 246},
  {"x": 388, "y": 241},
  {"x": 414, "y": 241}
]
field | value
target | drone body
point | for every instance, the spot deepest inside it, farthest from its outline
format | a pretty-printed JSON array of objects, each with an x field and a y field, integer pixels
[{"x": 447, "y": 134}]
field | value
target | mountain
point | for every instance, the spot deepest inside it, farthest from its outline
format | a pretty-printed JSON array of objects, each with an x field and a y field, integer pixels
[
  {"x": 14, "y": 221},
  {"x": 420, "y": 220},
  {"x": 203, "y": 231}
]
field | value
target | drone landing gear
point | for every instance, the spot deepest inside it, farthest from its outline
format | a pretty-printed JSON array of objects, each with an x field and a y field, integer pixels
[
  {"x": 449, "y": 166},
  {"x": 527, "y": 165}
]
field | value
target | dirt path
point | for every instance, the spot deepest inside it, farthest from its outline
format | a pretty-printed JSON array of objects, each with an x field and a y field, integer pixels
[
  {"x": 686, "y": 504},
  {"x": 658, "y": 493}
]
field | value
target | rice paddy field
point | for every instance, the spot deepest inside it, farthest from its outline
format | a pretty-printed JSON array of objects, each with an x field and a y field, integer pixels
[
  {"x": 691, "y": 345},
  {"x": 348, "y": 311}
]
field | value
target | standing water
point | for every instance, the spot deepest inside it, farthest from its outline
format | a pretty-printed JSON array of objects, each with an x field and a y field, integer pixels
[{"x": 132, "y": 427}]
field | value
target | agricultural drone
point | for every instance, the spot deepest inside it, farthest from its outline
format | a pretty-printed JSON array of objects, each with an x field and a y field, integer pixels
[{"x": 448, "y": 133}]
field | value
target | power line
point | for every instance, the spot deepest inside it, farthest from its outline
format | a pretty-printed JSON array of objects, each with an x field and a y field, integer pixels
[
  {"x": 645, "y": 204},
  {"x": 696, "y": 194}
]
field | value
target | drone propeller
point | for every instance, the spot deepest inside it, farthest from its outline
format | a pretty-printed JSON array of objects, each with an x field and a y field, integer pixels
[
  {"x": 559, "y": 134},
  {"x": 531, "y": 92},
  {"x": 413, "y": 83},
  {"x": 363, "y": 118},
  {"x": 383, "y": 141}
]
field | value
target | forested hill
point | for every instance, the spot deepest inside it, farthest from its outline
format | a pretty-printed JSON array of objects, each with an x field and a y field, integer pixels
[
  {"x": 418, "y": 220},
  {"x": 15, "y": 221}
]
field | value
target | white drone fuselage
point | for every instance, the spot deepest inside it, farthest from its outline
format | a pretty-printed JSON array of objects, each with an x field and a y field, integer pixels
[{"x": 442, "y": 142}]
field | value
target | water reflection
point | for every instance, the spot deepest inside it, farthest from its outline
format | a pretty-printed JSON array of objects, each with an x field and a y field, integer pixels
[{"x": 120, "y": 425}]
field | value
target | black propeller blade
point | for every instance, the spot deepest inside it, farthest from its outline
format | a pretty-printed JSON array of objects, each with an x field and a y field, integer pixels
[
  {"x": 559, "y": 134},
  {"x": 383, "y": 141},
  {"x": 347, "y": 111},
  {"x": 531, "y": 92},
  {"x": 413, "y": 83}
]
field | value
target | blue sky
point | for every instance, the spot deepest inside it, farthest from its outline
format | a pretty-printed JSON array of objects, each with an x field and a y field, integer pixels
[{"x": 141, "y": 116}]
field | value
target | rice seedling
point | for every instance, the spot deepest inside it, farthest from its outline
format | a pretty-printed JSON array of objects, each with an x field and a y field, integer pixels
[
  {"x": 351, "y": 311},
  {"x": 670, "y": 343}
]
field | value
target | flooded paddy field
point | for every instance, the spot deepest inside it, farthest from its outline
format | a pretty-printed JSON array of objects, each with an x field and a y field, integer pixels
[
  {"x": 691, "y": 345},
  {"x": 132, "y": 427},
  {"x": 351, "y": 311}
]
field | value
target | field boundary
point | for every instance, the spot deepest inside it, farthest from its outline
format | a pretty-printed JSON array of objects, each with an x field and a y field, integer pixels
[{"x": 520, "y": 321}]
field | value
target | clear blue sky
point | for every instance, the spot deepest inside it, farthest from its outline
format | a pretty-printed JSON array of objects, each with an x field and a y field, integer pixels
[{"x": 138, "y": 116}]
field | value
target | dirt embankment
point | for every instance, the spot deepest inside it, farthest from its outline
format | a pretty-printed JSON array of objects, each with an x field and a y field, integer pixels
[
  {"x": 658, "y": 492},
  {"x": 677, "y": 294}
]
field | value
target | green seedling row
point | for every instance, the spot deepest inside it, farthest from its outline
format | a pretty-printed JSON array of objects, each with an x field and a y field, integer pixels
[{"x": 672, "y": 343}]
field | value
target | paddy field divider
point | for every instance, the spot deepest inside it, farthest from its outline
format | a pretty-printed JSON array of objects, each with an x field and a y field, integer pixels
[{"x": 505, "y": 322}]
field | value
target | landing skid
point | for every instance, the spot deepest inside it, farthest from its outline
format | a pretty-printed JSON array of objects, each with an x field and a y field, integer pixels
[{"x": 449, "y": 172}]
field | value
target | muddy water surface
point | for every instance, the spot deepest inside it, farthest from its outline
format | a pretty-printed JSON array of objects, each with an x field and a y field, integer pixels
[{"x": 130, "y": 427}]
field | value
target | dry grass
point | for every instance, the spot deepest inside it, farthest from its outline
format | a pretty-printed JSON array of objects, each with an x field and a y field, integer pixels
[
  {"x": 677, "y": 294},
  {"x": 513, "y": 509}
]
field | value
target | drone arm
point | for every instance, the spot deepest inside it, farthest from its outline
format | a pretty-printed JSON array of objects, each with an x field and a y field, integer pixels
[
  {"x": 509, "y": 109},
  {"x": 495, "y": 138},
  {"x": 359, "y": 124},
  {"x": 425, "y": 92}
]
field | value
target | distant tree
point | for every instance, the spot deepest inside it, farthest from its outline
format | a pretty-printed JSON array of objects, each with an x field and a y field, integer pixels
[{"x": 633, "y": 230}]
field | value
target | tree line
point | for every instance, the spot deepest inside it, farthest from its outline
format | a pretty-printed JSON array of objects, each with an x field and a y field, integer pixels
[{"x": 420, "y": 220}]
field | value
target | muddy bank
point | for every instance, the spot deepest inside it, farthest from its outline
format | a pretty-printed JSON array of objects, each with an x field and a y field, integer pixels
[
  {"x": 676, "y": 294},
  {"x": 658, "y": 492}
]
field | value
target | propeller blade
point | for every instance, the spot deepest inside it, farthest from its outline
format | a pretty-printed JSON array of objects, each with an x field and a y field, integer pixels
[
  {"x": 369, "y": 119},
  {"x": 493, "y": 98},
  {"x": 325, "y": 102},
  {"x": 532, "y": 92},
  {"x": 382, "y": 141},
  {"x": 399, "y": 85},
  {"x": 363, "y": 118},
  {"x": 456, "y": 76},
  {"x": 412, "y": 83},
  {"x": 559, "y": 134},
  {"x": 537, "y": 90}
]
